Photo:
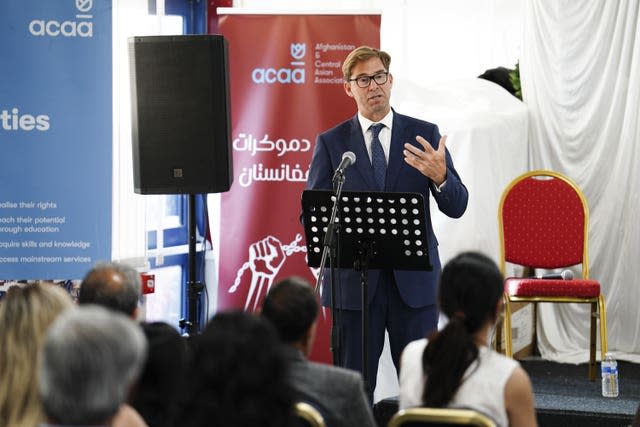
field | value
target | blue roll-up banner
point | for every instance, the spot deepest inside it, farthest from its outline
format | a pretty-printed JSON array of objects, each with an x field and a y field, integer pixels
[{"x": 55, "y": 137}]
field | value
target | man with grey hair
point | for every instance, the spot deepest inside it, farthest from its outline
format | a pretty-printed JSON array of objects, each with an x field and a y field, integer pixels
[
  {"x": 90, "y": 359},
  {"x": 113, "y": 285}
]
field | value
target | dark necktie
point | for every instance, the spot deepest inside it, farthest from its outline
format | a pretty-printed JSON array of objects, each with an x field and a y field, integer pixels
[{"x": 377, "y": 156}]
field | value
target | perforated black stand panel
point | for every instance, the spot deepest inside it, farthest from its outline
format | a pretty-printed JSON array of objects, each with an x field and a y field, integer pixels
[{"x": 390, "y": 225}]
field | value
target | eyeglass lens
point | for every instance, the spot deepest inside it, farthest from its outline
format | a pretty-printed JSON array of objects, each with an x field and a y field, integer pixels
[{"x": 365, "y": 81}]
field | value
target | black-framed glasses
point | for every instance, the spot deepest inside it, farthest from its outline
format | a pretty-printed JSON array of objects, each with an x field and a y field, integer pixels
[{"x": 365, "y": 81}]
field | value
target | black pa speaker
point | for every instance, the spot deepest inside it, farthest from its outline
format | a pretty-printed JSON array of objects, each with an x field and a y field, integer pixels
[{"x": 180, "y": 115}]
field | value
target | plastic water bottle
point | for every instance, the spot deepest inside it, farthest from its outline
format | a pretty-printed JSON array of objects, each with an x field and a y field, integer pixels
[{"x": 609, "y": 369}]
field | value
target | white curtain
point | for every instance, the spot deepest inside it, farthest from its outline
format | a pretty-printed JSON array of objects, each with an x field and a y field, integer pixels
[{"x": 580, "y": 71}]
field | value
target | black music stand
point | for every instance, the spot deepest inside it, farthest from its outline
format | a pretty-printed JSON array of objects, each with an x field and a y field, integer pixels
[{"x": 373, "y": 230}]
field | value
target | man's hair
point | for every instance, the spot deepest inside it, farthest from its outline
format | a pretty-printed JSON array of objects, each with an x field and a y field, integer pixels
[
  {"x": 239, "y": 375},
  {"x": 361, "y": 54},
  {"x": 99, "y": 287},
  {"x": 291, "y": 306},
  {"x": 91, "y": 357},
  {"x": 159, "y": 391}
]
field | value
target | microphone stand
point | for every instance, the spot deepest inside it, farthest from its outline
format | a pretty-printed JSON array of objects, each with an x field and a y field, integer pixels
[{"x": 329, "y": 251}]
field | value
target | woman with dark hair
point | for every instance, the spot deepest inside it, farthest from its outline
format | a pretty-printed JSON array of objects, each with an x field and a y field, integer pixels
[
  {"x": 159, "y": 392},
  {"x": 455, "y": 367},
  {"x": 238, "y": 375}
]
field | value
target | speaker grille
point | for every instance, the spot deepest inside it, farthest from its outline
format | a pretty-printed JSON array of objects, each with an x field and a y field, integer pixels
[{"x": 180, "y": 114}]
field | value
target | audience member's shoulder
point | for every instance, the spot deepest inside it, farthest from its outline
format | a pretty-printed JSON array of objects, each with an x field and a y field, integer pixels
[
  {"x": 486, "y": 352},
  {"x": 415, "y": 346},
  {"x": 336, "y": 373}
]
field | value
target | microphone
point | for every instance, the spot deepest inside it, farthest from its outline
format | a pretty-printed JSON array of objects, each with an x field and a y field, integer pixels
[
  {"x": 348, "y": 158},
  {"x": 564, "y": 275}
]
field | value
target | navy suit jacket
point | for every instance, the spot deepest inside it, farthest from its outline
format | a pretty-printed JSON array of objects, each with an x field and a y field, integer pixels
[{"x": 417, "y": 288}]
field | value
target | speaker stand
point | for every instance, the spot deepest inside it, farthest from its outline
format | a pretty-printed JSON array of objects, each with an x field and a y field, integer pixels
[{"x": 194, "y": 288}]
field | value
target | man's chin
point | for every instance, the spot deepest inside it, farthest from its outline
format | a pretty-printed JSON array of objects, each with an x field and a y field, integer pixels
[{"x": 378, "y": 107}]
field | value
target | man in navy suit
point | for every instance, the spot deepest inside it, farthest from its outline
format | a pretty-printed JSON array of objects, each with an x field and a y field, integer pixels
[{"x": 400, "y": 301}]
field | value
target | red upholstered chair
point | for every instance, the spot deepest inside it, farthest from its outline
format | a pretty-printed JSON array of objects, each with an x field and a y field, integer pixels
[{"x": 543, "y": 222}]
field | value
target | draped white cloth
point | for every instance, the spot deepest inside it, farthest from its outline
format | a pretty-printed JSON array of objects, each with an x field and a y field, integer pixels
[
  {"x": 580, "y": 72},
  {"x": 486, "y": 130}
]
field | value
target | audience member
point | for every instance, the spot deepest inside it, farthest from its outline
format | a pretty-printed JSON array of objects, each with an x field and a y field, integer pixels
[
  {"x": 159, "y": 392},
  {"x": 291, "y": 305},
  {"x": 90, "y": 359},
  {"x": 239, "y": 375},
  {"x": 455, "y": 367},
  {"x": 25, "y": 314},
  {"x": 113, "y": 285}
]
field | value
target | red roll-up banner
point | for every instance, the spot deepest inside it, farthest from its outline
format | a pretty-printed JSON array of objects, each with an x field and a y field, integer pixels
[{"x": 286, "y": 87}]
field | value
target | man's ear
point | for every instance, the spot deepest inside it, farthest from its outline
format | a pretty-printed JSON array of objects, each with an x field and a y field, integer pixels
[{"x": 347, "y": 89}]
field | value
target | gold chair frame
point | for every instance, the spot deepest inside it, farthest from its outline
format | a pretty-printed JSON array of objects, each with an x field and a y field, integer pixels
[
  {"x": 309, "y": 414},
  {"x": 453, "y": 416},
  {"x": 597, "y": 304}
]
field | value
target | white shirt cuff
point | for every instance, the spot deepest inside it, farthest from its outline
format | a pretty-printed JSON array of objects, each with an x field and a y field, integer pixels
[{"x": 439, "y": 188}]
